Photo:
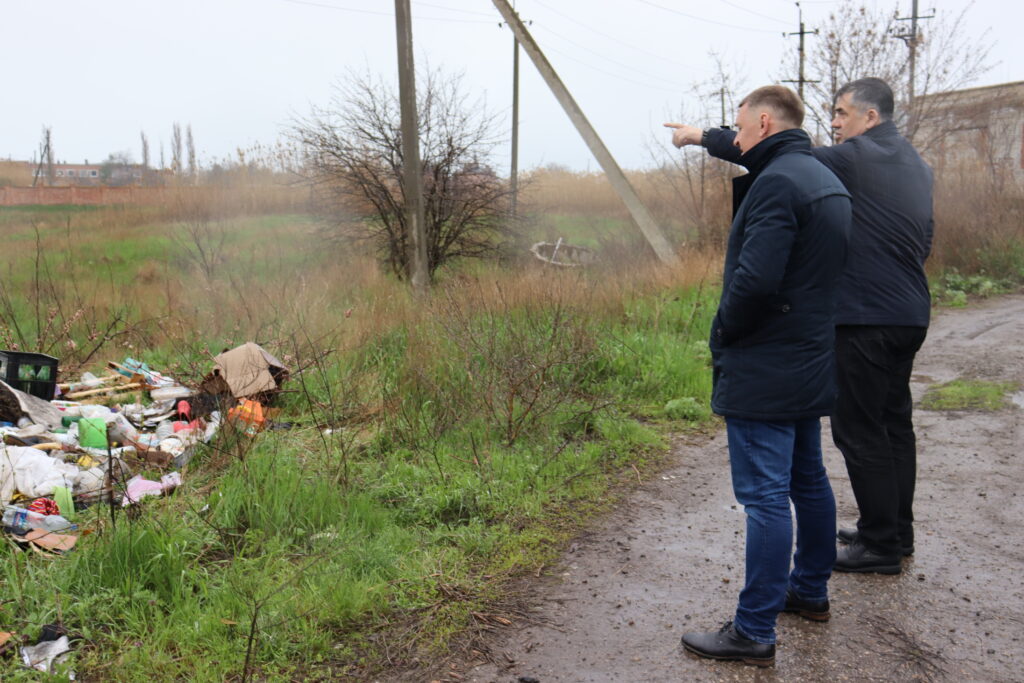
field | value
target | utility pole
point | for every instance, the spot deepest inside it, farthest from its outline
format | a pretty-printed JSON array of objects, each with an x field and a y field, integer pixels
[
  {"x": 721, "y": 101},
  {"x": 912, "y": 39},
  {"x": 419, "y": 273},
  {"x": 611, "y": 168},
  {"x": 802, "y": 32},
  {"x": 514, "y": 171}
]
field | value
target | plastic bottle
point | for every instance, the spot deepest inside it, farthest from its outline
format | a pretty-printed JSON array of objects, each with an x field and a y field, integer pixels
[
  {"x": 21, "y": 520},
  {"x": 58, "y": 524}
]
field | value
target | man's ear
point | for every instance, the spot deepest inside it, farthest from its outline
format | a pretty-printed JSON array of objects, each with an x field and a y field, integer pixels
[
  {"x": 873, "y": 118},
  {"x": 765, "y": 123}
]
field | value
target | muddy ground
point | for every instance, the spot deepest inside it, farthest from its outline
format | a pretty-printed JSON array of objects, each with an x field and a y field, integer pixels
[{"x": 670, "y": 559}]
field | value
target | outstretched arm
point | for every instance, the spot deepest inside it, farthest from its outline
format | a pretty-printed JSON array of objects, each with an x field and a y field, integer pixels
[{"x": 718, "y": 141}]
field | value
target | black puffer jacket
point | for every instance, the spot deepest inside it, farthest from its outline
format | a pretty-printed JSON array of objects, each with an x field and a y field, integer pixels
[{"x": 772, "y": 339}]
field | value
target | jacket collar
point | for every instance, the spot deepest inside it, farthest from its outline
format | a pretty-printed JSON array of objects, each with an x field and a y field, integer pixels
[
  {"x": 758, "y": 156},
  {"x": 883, "y": 130}
]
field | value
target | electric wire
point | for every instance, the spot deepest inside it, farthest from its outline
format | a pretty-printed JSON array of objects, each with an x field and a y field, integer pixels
[
  {"x": 623, "y": 65},
  {"x": 708, "y": 21},
  {"x": 313, "y": 3},
  {"x": 568, "y": 56},
  {"x": 756, "y": 14},
  {"x": 454, "y": 9},
  {"x": 609, "y": 36}
]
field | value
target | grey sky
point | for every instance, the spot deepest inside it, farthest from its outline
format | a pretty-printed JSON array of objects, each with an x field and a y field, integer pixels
[{"x": 238, "y": 70}]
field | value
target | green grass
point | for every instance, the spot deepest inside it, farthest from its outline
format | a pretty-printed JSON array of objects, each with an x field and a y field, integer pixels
[
  {"x": 492, "y": 435},
  {"x": 434, "y": 457},
  {"x": 968, "y": 394}
]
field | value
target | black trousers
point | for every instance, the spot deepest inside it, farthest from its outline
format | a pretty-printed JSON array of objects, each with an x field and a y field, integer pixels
[{"x": 872, "y": 427}]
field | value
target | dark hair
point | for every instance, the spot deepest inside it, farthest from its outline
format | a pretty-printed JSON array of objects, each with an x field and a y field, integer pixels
[
  {"x": 783, "y": 101},
  {"x": 869, "y": 93}
]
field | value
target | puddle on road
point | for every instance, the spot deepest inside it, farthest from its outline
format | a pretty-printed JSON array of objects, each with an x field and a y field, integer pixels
[{"x": 1018, "y": 399}]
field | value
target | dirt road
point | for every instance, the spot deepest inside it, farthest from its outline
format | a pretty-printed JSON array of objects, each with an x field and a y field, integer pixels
[{"x": 671, "y": 558}]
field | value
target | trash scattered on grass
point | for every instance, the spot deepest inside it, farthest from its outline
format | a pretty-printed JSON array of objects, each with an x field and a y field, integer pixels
[{"x": 90, "y": 442}]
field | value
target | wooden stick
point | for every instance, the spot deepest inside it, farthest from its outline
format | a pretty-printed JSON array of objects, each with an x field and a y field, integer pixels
[
  {"x": 64, "y": 386},
  {"x": 117, "y": 388}
]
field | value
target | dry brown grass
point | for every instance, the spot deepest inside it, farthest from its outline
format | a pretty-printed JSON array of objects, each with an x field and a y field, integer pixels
[
  {"x": 979, "y": 212},
  {"x": 979, "y": 222}
]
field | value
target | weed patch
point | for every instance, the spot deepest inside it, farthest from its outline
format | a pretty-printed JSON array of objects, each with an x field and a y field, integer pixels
[{"x": 968, "y": 394}]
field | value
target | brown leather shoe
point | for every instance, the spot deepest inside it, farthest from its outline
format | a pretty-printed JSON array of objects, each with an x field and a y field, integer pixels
[{"x": 727, "y": 644}]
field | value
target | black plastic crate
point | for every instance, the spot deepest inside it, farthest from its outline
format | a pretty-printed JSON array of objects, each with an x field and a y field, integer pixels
[{"x": 33, "y": 373}]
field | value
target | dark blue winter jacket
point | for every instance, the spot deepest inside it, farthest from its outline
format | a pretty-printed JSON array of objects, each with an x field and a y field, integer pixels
[
  {"x": 884, "y": 281},
  {"x": 772, "y": 337}
]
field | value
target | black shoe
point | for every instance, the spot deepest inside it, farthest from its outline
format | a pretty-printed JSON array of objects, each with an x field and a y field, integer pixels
[
  {"x": 815, "y": 610},
  {"x": 847, "y": 536},
  {"x": 857, "y": 557},
  {"x": 727, "y": 643}
]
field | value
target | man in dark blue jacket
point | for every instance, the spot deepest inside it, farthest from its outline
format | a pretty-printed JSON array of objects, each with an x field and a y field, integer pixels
[
  {"x": 882, "y": 318},
  {"x": 774, "y": 371}
]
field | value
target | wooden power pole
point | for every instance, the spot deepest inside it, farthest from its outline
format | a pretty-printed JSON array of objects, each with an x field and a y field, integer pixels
[
  {"x": 611, "y": 168},
  {"x": 419, "y": 272},
  {"x": 912, "y": 38},
  {"x": 514, "y": 171},
  {"x": 800, "y": 80}
]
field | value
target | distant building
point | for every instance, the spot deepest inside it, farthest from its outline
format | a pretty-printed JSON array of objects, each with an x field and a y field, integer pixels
[
  {"x": 93, "y": 174},
  {"x": 979, "y": 128},
  {"x": 71, "y": 174}
]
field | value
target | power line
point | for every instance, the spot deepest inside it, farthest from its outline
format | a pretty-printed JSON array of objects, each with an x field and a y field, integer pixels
[
  {"x": 609, "y": 36},
  {"x": 454, "y": 9},
  {"x": 602, "y": 56},
  {"x": 708, "y": 21},
  {"x": 323, "y": 5},
  {"x": 750, "y": 11},
  {"x": 609, "y": 73}
]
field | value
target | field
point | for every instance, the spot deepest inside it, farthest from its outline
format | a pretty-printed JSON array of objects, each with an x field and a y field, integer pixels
[{"x": 438, "y": 448}]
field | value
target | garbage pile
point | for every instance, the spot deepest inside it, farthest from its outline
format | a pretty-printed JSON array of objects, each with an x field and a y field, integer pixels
[{"x": 89, "y": 445}]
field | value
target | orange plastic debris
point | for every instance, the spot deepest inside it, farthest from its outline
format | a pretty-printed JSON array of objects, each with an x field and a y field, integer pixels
[{"x": 248, "y": 416}]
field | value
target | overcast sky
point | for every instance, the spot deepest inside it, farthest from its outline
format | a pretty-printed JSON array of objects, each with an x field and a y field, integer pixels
[{"x": 238, "y": 71}]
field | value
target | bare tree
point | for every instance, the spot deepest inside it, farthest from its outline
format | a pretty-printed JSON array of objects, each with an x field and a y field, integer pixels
[
  {"x": 857, "y": 41},
  {"x": 145, "y": 150},
  {"x": 695, "y": 184},
  {"x": 190, "y": 146},
  {"x": 176, "y": 161},
  {"x": 353, "y": 158}
]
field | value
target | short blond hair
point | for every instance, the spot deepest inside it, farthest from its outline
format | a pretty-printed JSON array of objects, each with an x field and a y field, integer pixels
[{"x": 781, "y": 100}]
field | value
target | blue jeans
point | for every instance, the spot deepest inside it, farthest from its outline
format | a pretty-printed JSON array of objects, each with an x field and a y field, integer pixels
[{"x": 773, "y": 462}]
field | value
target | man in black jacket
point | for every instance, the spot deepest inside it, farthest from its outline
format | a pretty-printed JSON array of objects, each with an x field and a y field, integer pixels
[
  {"x": 774, "y": 372},
  {"x": 883, "y": 314}
]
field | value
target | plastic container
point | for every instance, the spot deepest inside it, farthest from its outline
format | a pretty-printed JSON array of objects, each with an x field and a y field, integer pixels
[
  {"x": 92, "y": 432},
  {"x": 33, "y": 373},
  {"x": 21, "y": 520}
]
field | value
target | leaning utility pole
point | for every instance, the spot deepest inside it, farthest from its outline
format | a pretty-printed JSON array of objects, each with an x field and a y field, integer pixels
[
  {"x": 802, "y": 32},
  {"x": 419, "y": 272},
  {"x": 615, "y": 175}
]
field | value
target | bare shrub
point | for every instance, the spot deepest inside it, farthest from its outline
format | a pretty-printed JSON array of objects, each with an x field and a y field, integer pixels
[
  {"x": 522, "y": 361},
  {"x": 354, "y": 162}
]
